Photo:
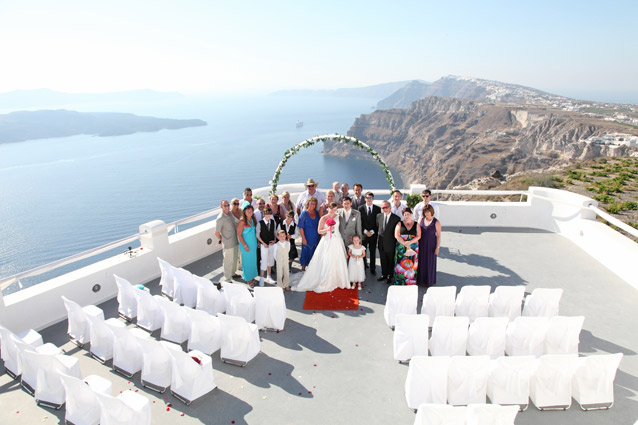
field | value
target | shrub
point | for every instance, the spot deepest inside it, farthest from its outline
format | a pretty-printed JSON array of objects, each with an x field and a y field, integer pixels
[
  {"x": 629, "y": 205},
  {"x": 413, "y": 199},
  {"x": 603, "y": 198},
  {"x": 614, "y": 207}
]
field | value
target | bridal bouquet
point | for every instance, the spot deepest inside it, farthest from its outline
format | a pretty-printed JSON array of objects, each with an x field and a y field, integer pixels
[{"x": 330, "y": 222}]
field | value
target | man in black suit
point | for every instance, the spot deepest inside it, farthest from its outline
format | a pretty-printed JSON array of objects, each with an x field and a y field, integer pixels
[
  {"x": 387, "y": 223},
  {"x": 357, "y": 200},
  {"x": 369, "y": 228}
]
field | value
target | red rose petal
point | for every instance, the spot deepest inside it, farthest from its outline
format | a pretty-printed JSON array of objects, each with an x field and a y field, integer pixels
[
  {"x": 182, "y": 414},
  {"x": 299, "y": 393},
  {"x": 136, "y": 390},
  {"x": 153, "y": 401},
  {"x": 169, "y": 405},
  {"x": 315, "y": 365},
  {"x": 232, "y": 422},
  {"x": 269, "y": 373},
  {"x": 309, "y": 392},
  {"x": 168, "y": 409}
]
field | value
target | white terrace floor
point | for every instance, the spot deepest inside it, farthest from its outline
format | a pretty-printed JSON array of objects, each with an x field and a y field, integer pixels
[{"x": 337, "y": 367}]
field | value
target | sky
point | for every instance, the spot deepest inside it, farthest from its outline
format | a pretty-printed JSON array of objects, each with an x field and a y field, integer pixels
[{"x": 585, "y": 49}]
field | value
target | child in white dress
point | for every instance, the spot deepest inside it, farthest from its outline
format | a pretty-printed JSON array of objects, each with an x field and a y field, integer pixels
[{"x": 356, "y": 269}]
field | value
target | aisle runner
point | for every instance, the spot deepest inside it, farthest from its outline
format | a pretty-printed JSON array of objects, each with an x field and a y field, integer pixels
[{"x": 339, "y": 299}]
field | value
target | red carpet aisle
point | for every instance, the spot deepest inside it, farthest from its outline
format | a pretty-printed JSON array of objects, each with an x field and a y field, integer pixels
[{"x": 339, "y": 299}]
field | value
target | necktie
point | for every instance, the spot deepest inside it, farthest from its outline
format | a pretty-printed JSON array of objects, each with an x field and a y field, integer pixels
[
  {"x": 385, "y": 222},
  {"x": 369, "y": 210}
]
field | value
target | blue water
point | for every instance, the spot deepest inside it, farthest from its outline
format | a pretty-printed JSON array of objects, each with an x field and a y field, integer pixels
[{"x": 66, "y": 195}]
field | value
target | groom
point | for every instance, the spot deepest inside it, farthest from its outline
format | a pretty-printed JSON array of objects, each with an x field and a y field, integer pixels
[{"x": 349, "y": 222}]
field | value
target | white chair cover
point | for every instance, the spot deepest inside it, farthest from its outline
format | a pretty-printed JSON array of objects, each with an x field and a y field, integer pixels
[
  {"x": 400, "y": 300},
  {"x": 270, "y": 307},
  {"x": 593, "y": 381},
  {"x": 473, "y": 301},
  {"x": 491, "y": 414},
  {"x": 509, "y": 378},
  {"x": 506, "y": 301},
  {"x": 563, "y": 334},
  {"x": 128, "y": 408},
  {"x": 239, "y": 302},
  {"x": 467, "y": 379},
  {"x": 191, "y": 380},
  {"x": 102, "y": 337},
  {"x": 81, "y": 405},
  {"x": 79, "y": 327},
  {"x": 48, "y": 385},
  {"x": 439, "y": 301},
  {"x": 206, "y": 331},
  {"x": 551, "y": 383},
  {"x": 240, "y": 339},
  {"x": 156, "y": 364},
  {"x": 150, "y": 316},
  {"x": 176, "y": 325},
  {"x": 410, "y": 336},
  {"x": 487, "y": 337},
  {"x": 209, "y": 299},
  {"x": 29, "y": 368},
  {"x": 543, "y": 302},
  {"x": 127, "y": 350},
  {"x": 185, "y": 288},
  {"x": 440, "y": 414},
  {"x": 526, "y": 336},
  {"x": 9, "y": 352},
  {"x": 167, "y": 281},
  {"x": 126, "y": 299},
  {"x": 449, "y": 336},
  {"x": 426, "y": 381}
]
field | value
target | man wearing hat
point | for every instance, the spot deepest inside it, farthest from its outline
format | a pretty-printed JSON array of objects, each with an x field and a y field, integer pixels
[{"x": 311, "y": 190}]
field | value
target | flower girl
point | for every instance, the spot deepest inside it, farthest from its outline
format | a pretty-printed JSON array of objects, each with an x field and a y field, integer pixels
[{"x": 356, "y": 269}]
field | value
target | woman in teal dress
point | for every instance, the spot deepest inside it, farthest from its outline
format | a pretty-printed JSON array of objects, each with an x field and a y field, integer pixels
[{"x": 248, "y": 243}]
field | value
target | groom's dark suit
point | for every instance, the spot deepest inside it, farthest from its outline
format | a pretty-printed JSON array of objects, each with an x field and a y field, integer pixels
[
  {"x": 387, "y": 243},
  {"x": 369, "y": 222}
]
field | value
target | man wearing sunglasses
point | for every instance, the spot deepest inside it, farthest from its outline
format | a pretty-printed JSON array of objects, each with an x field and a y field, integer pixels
[{"x": 426, "y": 195}]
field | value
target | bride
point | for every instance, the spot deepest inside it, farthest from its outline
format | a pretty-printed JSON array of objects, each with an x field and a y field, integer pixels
[{"x": 328, "y": 268}]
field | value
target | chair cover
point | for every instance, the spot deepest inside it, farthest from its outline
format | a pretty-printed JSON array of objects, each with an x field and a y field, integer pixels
[
  {"x": 563, "y": 335},
  {"x": 128, "y": 408},
  {"x": 102, "y": 337},
  {"x": 487, "y": 337},
  {"x": 81, "y": 405},
  {"x": 491, "y": 414},
  {"x": 240, "y": 339},
  {"x": 127, "y": 302},
  {"x": 185, "y": 288},
  {"x": 593, "y": 381},
  {"x": 449, "y": 336},
  {"x": 127, "y": 350},
  {"x": 473, "y": 301},
  {"x": 506, "y": 301},
  {"x": 166, "y": 278},
  {"x": 79, "y": 327},
  {"x": 543, "y": 302},
  {"x": 270, "y": 307},
  {"x": 176, "y": 326},
  {"x": 9, "y": 352},
  {"x": 410, "y": 336},
  {"x": 526, "y": 336},
  {"x": 156, "y": 364},
  {"x": 239, "y": 302},
  {"x": 209, "y": 299},
  {"x": 551, "y": 383},
  {"x": 27, "y": 367},
  {"x": 427, "y": 380},
  {"x": 509, "y": 378},
  {"x": 439, "y": 301},
  {"x": 48, "y": 389},
  {"x": 150, "y": 316},
  {"x": 440, "y": 414},
  {"x": 206, "y": 331},
  {"x": 191, "y": 380},
  {"x": 400, "y": 300},
  {"x": 467, "y": 379}
]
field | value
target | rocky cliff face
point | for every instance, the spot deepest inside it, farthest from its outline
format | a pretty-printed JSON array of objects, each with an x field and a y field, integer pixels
[{"x": 444, "y": 142}]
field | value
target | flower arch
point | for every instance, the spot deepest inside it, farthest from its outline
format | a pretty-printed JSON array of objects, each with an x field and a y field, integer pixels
[{"x": 335, "y": 137}]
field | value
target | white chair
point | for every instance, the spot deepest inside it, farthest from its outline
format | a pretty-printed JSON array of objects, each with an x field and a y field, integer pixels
[
  {"x": 185, "y": 288},
  {"x": 410, "y": 336},
  {"x": 593, "y": 381},
  {"x": 127, "y": 350},
  {"x": 509, "y": 378},
  {"x": 191, "y": 379},
  {"x": 176, "y": 326},
  {"x": 400, "y": 300},
  {"x": 48, "y": 389},
  {"x": 542, "y": 302},
  {"x": 9, "y": 352},
  {"x": 79, "y": 328},
  {"x": 240, "y": 340},
  {"x": 440, "y": 414},
  {"x": 128, "y": 408},
  {"x": 167, "y": 281},
  {"x": 426, "y": 381},
  {"x": 28, "y": 368},
  {"x": 156, "y": 364},
  {"x": 563, "y": 335},
  {"x": 102, "y": 338},
  {"x": 209, "y": 299},
  {"x": 150, "y": 316},
  {"x": 526, "y": 336},
  {"x": 449, "y": 336},
  {"x": 473, "y": 301},
  {"x": 205, "y": 333},
  {"x": 491, "y": 414},
  {"x": 551, "y": 384},
  {"x": 239, "y": 302},
  {"x": 127, "y": 302},
  {"x": 506, "y": 301},
  {"x": 486, "y": 336},
  {"x": 467, "y": 379},
  {"x": 270, "y": 308},
  {"x": 439, "y": 301},
  {"x": 81, "y": 405}
]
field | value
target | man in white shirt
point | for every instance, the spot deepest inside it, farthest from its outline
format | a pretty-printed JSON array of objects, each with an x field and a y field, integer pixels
[
  {"x": 349, "y": 222},
  {"x": 311, "y": 190},
  {"x": 426, "y": 195},
  {"x": 397, "y": 205},
  {"x": 358, "y": 199},
  {"x": 248, "y": 197}
]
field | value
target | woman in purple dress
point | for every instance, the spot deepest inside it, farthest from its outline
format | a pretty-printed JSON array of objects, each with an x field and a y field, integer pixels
[{"x": 428, "y": 247}]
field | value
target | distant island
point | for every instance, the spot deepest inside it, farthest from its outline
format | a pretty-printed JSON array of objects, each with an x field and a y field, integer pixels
[{"x": 29, "y": 125}]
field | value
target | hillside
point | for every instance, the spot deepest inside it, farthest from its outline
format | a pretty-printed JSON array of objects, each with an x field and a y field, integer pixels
[{"x": 378, "y": 91}]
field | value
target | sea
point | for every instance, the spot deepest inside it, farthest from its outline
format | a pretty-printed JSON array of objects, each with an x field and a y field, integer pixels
[{"x": 63, "y": 196}]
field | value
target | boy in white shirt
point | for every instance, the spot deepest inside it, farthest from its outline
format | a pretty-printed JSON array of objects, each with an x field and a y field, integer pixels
[
  {"x": 266, "y": 231},
  {"x": 281, "y": 256}
]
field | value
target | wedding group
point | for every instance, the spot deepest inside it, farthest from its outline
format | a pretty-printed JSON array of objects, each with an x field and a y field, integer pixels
[{"x": 340, "y": 233}]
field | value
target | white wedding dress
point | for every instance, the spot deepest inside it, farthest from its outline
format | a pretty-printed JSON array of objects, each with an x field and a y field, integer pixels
[{"x": 328, "y": 268}]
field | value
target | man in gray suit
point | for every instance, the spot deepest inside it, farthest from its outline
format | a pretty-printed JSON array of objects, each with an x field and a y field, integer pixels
[{"x": 349, "y": 221}]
